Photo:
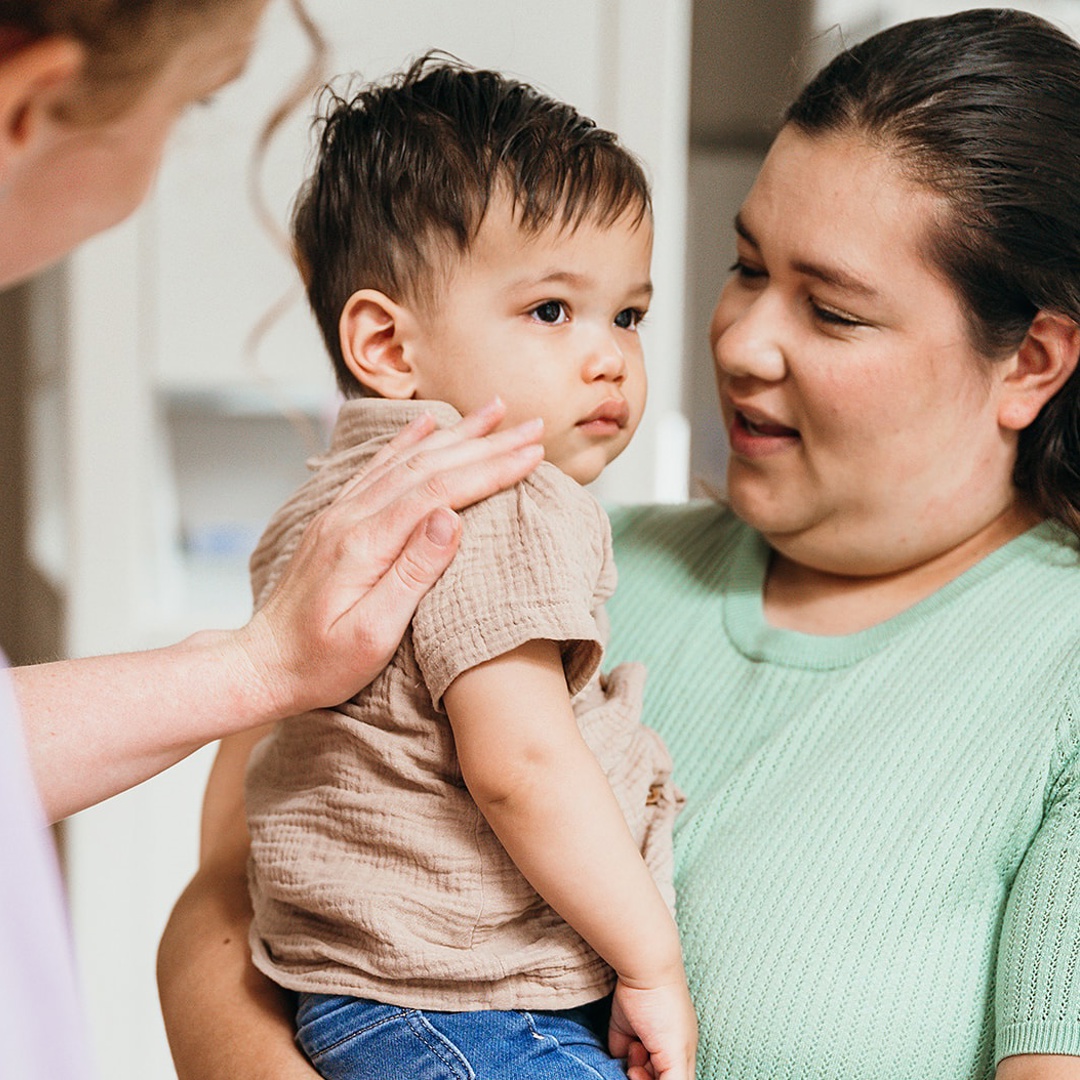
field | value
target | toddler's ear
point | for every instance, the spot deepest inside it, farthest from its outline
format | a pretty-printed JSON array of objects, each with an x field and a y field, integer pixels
[{"x": 376, "y": 337}]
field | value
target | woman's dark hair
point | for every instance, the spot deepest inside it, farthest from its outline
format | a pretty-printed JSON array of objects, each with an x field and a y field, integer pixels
[
  {"x": 407, "y": 168},
  {"x": 983, "y": 107}
]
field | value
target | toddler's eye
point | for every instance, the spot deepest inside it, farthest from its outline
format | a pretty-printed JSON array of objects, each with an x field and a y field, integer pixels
[
  {"x": 629, "y": 318},
  {"x": 552, "y": 312}
]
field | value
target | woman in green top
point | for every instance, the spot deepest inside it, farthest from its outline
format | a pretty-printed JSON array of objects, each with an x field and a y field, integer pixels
[{"x": 868, "y": 669}]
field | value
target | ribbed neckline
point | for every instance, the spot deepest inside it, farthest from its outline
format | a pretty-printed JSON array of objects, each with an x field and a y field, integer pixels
[{"x": 744, "y": 612}]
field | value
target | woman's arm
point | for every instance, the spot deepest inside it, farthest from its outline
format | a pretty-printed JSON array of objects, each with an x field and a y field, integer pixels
[
  {"x": 546, "y": 798},
  {"x": 224, "y": 1018},
  {"x": 97, "y": 726},
  {"x": 1039, "y": 1067}
]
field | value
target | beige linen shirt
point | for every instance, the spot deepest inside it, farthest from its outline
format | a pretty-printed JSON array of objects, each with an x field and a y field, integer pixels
[{"x": 372, "y": 871}]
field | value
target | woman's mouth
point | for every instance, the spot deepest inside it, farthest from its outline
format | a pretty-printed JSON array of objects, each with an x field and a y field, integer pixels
[
  {"x": 754, "y": 435},
  {"x": 769, "y": 430}
]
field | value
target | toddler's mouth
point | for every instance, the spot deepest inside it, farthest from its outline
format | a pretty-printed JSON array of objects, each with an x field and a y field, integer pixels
[{"x": 611, "y": 413}]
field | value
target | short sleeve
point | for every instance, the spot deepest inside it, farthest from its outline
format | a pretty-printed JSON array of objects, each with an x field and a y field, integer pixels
[
  {"x": 534, "y": 563},
  {"x": 1038, "y": 979}
]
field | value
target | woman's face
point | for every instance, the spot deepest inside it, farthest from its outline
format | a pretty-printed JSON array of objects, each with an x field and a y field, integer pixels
[
  {"x": 863, "y": 424},
  {"x": 76, "y": 178}
]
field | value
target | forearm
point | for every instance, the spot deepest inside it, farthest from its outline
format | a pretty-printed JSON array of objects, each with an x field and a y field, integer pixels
[
  {"x": 224, "y": 1018},
  {"x": 99, "y": 725},
  {"x": 558, "y": 819},
  {"x": 548, "y": 801},
  {"x": 1039, "y": 1067}
]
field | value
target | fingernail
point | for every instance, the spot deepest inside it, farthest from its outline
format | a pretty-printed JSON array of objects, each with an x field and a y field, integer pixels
[
  {"x": 441, "y": 526},
  {"x": 493, "y": 406},
  {"x": 531, "y": 427}
]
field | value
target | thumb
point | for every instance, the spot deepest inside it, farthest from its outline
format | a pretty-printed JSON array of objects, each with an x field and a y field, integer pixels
[
  {"x": 389, "y": 606},
  {"x": 426, "y": 554}
]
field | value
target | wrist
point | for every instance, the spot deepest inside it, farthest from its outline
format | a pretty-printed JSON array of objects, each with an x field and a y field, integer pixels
[
  {"x": 660, "y": 964},
  {"x": 254, "y": 687}
]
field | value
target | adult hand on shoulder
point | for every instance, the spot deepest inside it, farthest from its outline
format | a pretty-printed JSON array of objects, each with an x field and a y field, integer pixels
[
  {"x": 351, "y": 588},
  {"x": 96, "y": 726}
]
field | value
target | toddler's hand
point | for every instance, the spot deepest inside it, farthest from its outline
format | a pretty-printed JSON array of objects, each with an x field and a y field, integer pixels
[{"x": 656, "y": 1028}]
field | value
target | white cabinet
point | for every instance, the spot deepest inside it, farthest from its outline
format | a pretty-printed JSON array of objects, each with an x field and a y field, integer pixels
[{"x": 163, "y": 443}]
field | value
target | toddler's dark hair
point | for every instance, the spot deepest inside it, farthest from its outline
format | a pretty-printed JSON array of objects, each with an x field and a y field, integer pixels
[{"x": 407, "y": 169}]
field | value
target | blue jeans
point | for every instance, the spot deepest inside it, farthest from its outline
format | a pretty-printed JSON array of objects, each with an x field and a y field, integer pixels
[{"x": 350, "y": 1038}]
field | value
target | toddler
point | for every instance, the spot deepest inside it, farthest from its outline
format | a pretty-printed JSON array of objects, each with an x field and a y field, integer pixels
[{"x": 465, "y": 870}]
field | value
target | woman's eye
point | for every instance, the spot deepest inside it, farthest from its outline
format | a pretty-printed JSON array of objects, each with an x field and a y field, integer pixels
[
  {"x": 833, "y": 318},
  {"x": 745, "y": 271},
  {"x": 552, "y": 312},
  {"x": 629, "y": 318}
]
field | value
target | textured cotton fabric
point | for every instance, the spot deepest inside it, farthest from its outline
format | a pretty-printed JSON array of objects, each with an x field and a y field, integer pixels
[
  {"x": 373, "y": 873},
  {"x": 879, "y": 866},
  {"x": 42, "y": 1030}
]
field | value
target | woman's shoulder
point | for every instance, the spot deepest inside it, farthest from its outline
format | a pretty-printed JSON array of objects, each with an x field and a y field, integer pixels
[
  {"x": 1042, "y": 574},
  {"x": 1027, "y": 605},
  {"x": 1052, "y": 544}
]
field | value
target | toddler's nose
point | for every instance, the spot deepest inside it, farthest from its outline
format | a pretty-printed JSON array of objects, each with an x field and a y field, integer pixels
[{"x": 605, "y": 360}]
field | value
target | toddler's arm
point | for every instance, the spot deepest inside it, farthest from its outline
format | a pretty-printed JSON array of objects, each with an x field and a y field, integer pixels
[{"x": 548, "y": 801}]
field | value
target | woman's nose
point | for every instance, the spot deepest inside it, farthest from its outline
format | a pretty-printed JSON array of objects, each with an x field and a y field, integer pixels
[{"x": 745, "y": 339}]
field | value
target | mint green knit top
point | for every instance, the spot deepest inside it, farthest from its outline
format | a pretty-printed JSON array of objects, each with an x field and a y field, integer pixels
[{"x": 878, "y": 869}]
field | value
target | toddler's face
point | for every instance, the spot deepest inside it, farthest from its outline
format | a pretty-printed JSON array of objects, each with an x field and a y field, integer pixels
[{"x": 549, "y": 322}]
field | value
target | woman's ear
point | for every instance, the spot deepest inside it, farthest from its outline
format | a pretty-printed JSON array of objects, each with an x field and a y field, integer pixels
[
  {"x": 34, "y": 74},
  {"x": 1042, "y": 365},
  {"x": 378, "y": 339}
]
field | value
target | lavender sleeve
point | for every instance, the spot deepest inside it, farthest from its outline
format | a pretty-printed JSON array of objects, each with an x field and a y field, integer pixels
[{"x": 38, "y": 993}]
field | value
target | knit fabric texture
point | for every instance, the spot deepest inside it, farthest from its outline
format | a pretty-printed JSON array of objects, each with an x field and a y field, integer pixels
[
  {"x": 373, "y": 873},
  {"x": 878, "y": 870}
]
